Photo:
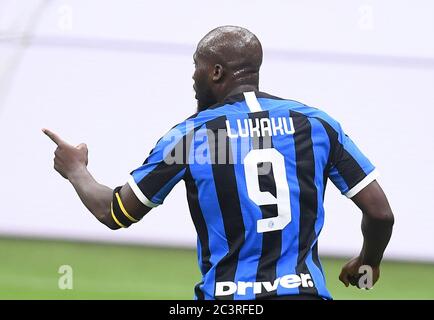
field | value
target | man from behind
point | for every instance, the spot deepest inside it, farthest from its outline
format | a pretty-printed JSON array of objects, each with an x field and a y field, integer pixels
[{"x": 255, "y": 168}]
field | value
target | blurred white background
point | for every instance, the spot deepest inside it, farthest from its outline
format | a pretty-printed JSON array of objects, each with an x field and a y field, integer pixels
[{"x": 117, "y": 75}]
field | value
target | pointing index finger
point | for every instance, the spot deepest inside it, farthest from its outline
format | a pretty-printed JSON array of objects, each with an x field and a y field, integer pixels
[{"x": 54, "y": 137}]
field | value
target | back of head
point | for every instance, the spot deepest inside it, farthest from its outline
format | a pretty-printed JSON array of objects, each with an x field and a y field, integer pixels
[
  {"x": 235, "y": 48},
  {"x": 227, "y": 58}
]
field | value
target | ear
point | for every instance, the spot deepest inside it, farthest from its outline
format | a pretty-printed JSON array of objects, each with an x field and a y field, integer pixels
[{"x": 218, "y": 72}]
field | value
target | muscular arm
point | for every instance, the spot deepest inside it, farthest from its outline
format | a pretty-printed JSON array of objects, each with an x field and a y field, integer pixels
[
  {"x": 377, "y": 223},
  {"x": 71, "y": 163}
]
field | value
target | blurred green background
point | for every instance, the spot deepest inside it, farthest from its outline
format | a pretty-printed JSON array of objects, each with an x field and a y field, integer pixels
[{"x": 29, "y": 270}]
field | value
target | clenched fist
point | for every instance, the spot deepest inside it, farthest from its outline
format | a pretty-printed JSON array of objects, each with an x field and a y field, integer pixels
[{"x": 351, "y": 273}]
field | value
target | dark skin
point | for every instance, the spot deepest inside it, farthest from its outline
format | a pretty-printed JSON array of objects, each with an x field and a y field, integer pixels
[
  {"x": 377, "y": 224},
  {"x": 227, "y": 61}
]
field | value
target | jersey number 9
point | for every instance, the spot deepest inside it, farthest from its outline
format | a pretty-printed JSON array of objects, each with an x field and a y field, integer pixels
[{"x": 282, "y": 200}]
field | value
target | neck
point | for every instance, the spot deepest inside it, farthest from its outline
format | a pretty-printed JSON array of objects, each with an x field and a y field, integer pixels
[{"x": 239, "y": 89}]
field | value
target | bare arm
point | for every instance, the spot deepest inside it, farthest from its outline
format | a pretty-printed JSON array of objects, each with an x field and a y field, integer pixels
[
  {"x": 377, "y": 224},
  {"x": 71, "y": 163}
]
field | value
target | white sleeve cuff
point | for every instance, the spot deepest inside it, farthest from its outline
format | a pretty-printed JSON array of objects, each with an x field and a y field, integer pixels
[
  {"x": 362, "y": 184},
  {"x": 139, "y": 194}
]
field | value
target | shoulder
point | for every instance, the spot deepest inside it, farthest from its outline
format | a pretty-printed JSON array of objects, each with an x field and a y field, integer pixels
[
  {"x": 216, "y": 112},
  {"x": 297, "y": 108},
  {"x": 301, "y": 109},
  {"x": 190, "y": 124}
]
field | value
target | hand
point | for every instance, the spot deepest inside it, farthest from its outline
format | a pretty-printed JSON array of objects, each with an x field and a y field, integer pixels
[
  {"x": 68, "y": 159},
  {"x": 350, "y": 273}
]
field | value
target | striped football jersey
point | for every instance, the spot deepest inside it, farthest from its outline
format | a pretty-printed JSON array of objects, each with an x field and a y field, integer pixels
[{"x": 255, "y": 168}]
